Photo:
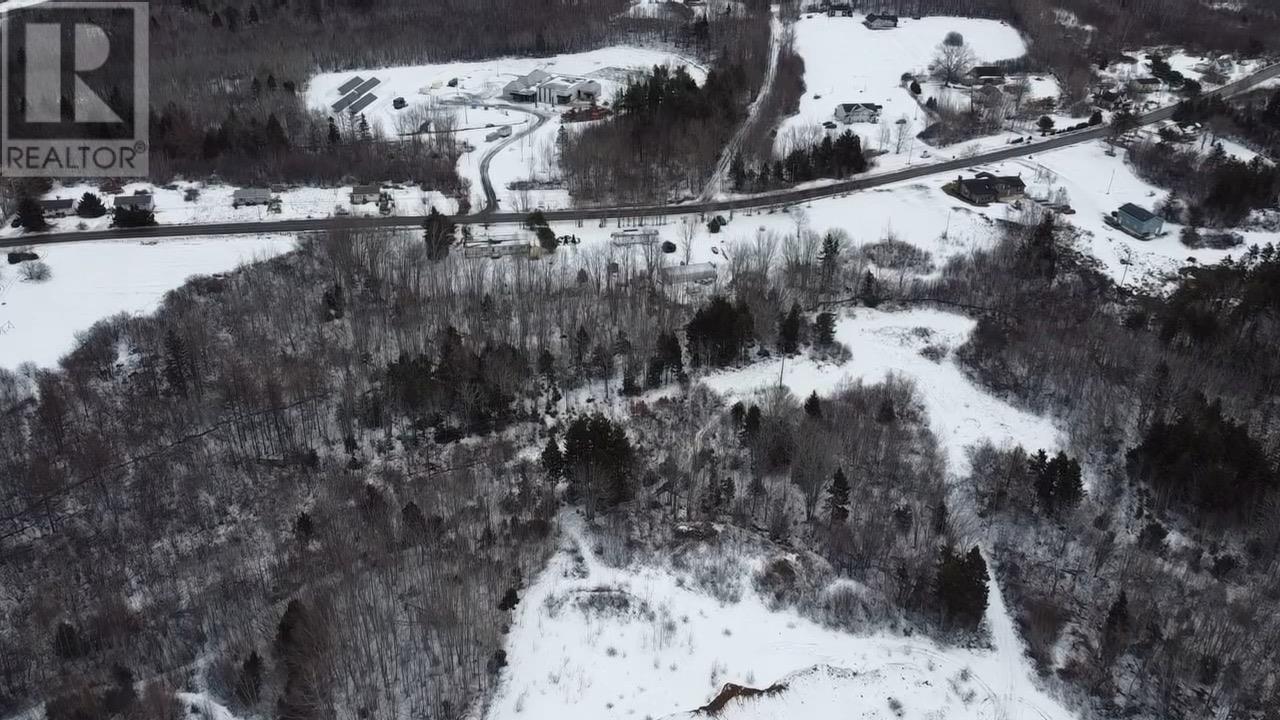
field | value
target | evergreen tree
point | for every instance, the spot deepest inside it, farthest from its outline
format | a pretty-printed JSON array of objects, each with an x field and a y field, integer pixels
[
  {"x": 813, "y": 406},
  {"x": 789, "y": 331},
  {"x": 276, "y": 137},
  {"x": 90, "y": 206},
  {"x": 869, "y": 293},
  {"x": 838, "y": 498},
  {"x": 126, "y": 217},
  {"x": 31, "y": 215},
  {"x": 553, "y": 460},
  {"x": 824, "y": 329},
  {"x": 1115, "y": 629},
  {"x": 303, "y": 528},
  {"x": 438, "y": 233},
  {"x": 335, "y": 138},
  {"x": 413, "y": 523},
  {"x": 961, "y": 588},
  {"x": 249, "y": 684},
  {"x": 915, "y": 87},
  {"x": 829, "y": 260},
  {"x": 751, "y": 423},
  {"x": 176, "y": 363},
  {"x": 886, "y": 413}
]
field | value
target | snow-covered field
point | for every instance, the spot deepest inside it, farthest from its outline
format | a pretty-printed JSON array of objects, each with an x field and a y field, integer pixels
[
  {"x": 598, "y": 643},
  {"x": 214, "y": 205},
  {"x": 477, "y": 100},
  {"x": 95, "y": 280},
  {"x": 961, "y": 413},
  {"x": 1097, "y": 184},
  {"x": 847, "y": 63}
]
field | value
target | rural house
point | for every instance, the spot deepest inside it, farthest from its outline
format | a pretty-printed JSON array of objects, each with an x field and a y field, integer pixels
[
  {"x": 1147, "y": 84},
  {"x": 541, "y": 86},
  {"x": 361, "y": 194},
  {"x": 986, "y": 188},
  {"x": 136, "y": 201},
  {"x": 849, "y": 113},
  {"x": 1107, "y": 99},
  {"x": 525, "y": 87},
  {"x": 1138, "y": 221},
  {"x": 251, "y": 196},
  {"x": 881, "y": 22},
  {"x": 987, "y": 75},
  {"x": 58, "y": 207}
]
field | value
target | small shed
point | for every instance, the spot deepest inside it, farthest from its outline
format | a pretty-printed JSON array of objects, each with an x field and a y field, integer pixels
[
  {"x": 361, "y": 194},
  {"x": 694, "y": 273},
  {"x": 1139, "y": 221},
  {"x": 57, "y": 207}
]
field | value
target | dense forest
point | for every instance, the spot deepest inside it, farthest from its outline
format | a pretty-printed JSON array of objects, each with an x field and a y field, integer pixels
[
  {"x": 669, "y": 131},
  {"x": 1173, "y": 402}
]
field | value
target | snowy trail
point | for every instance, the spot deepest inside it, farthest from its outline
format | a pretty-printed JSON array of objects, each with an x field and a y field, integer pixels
[{"x": 716, "y": 184}]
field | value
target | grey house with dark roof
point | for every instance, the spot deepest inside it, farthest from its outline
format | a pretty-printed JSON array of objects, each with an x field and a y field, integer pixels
[
  {"x": 59, "y": 207},
  {"x": 1139, "y": 221},
  {"x": 987, "y": 188}
]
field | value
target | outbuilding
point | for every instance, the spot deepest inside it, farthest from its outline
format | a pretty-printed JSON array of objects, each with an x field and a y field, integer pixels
[{"x": 1139, "y": 221}]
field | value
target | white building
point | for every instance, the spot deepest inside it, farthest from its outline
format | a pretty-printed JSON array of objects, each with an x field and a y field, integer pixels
[
  {"x": 543, "y": 87},
  {"x": 849, "y": 113},
  {"x": 881, "y": 22}
]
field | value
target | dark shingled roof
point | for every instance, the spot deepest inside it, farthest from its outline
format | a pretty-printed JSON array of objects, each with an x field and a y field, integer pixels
[{"x": 1137, "y": 213}]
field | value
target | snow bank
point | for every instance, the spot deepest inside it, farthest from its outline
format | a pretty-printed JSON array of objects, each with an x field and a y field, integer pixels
[
  {"x": 95, "y": 280},
  {"x": 596, "y": 643},
  {"x": 847, "y": 63}
]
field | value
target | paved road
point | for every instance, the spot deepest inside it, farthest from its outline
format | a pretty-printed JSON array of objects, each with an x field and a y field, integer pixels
[{"x": 764, "y": 200}]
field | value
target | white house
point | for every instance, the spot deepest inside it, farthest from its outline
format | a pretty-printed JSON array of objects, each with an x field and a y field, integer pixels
[
  {"x": 136, "y": 201},
  {"x": 849, "y": 113},
  {"x": 251, "y": 196},
  {"x": 361, "y": 194},
  {"x": 541, "y": 86},
  {"x": 58, "y": 207},
  {"x": 881, "y": 22}
]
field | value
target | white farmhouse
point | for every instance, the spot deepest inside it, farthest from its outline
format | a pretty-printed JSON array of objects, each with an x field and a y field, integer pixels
[{"x": 849, "y": 113}]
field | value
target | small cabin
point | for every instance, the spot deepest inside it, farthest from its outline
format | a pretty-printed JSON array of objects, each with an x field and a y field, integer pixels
[{"x": 1139, "y": 221}]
